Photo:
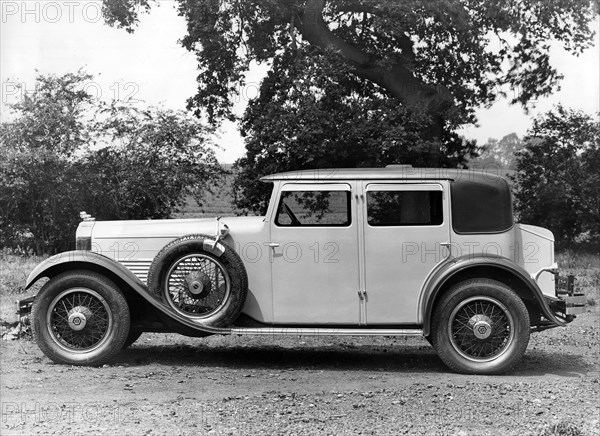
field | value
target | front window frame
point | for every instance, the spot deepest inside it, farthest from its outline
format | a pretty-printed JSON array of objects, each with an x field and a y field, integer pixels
[{"x": 293, "y": 187}]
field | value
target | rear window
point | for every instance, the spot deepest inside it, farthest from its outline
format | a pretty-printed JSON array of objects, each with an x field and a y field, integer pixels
[{"x": 481, "y": 207}]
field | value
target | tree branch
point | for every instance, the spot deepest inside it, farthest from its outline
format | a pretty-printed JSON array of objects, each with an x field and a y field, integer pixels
[{"x": 397, "y": 79}]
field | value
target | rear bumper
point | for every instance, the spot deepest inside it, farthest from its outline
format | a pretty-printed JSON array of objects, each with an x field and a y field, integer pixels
[
  {"x": 566, "y": 305},
  {"x": 572, "y": 300},
  {"x": 569, "y": 301}
]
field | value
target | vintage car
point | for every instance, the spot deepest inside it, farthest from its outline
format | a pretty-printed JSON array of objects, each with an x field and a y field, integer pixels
[{"x": 395, "y": 251}]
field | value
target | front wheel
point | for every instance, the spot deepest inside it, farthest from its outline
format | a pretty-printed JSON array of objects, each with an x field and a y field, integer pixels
[
  {"x": 480, "y": 326},
  {"x": 133, "y": 336},
  {"x": 80, "y": 318}
]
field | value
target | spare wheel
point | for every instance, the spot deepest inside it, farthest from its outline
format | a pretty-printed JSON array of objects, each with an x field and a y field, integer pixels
[{"x": 200, "y": 279}]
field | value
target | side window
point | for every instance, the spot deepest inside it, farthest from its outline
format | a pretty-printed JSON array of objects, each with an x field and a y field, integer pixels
[
  {"x": 313, "y": 208},
  {"x": 404, "y": 208}
]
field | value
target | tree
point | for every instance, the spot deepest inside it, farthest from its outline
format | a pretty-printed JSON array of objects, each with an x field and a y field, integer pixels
[
  {"x": 499, "y": 153},
  {"x": 38, "y": 147},
  {"x": 557, "y": 176},
  {"x": 157, "y": 159},
  {"x": 405, "y": 73},
  {"x": 443, "y": 57},
  {"x": 590, "y": 166},
  {"x": 329, "y": 120},
  {"x": 132, "y": 163}
]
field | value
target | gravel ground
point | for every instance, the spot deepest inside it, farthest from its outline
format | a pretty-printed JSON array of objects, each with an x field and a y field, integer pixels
[{"x": 170, "y": 384}]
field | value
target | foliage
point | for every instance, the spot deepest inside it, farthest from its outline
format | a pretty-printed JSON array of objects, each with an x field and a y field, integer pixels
[
  {"x": 434, "y": 54},
  {"x": 499, "y": 153},
  {"x": 557, "y": 176},
  {"x": 124, "y": 14},
  {"x": 330, "y": 120},
  {"x": 156, "y": 160},
  {"x": 366, "y": 82},
  {"x": 57, "y": 162},
  {"x": 36, "y": 174}
]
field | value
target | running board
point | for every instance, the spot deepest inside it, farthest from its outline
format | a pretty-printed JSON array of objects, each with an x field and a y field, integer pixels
[{"x": 303, "y": 331}]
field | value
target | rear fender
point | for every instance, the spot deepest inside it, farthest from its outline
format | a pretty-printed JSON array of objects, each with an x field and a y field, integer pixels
[
  {"x": 82, "y": 260},
  {"x": 436, "y": 284}
]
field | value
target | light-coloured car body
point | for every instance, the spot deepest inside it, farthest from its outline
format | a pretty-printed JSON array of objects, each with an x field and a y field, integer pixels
[
  {"x": 352, "y": 275},
  {"x": 343, "y": 252}
]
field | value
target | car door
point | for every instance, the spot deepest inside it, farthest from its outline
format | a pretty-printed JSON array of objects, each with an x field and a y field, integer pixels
[
  {"x": 314, "y": 242},
  {"x": 405, "y": 232}
]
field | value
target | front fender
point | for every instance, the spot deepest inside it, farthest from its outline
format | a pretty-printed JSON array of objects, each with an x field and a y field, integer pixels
[
  {"x": 74, "y": 260},
  {"x": 435, "y": 284},
  {"x": 70, "y": 260}
]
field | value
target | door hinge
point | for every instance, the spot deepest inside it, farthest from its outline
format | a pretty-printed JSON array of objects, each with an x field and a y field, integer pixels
[
  {"x": 362, "y": 307},
  {"x": 448, "y": 245}
]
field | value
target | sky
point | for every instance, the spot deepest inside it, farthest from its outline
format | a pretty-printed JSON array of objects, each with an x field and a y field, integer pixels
[{"x": 151, "y": 66}]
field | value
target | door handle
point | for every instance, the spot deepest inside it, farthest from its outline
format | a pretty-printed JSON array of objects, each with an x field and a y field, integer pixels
[{"x": 273, "y": 244}]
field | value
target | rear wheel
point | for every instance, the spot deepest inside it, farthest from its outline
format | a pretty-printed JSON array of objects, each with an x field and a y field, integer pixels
[
  {"x": 480, "y": 326},
  {"x": 80, "y": 318}
]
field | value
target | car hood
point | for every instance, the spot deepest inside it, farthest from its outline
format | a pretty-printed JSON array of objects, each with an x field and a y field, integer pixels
[{"x": 174, "y": 228}]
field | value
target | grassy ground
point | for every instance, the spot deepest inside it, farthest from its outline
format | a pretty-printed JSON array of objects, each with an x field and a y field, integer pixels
[
  {"x": 14, "y": 270},
  {"x": 586, "y": 268}
]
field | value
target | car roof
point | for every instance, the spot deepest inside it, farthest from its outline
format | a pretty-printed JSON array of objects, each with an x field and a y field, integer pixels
[{"x": 391, "y": 172}]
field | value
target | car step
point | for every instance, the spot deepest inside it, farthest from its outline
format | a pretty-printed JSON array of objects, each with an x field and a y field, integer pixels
[{"x": 330, "y": 331}]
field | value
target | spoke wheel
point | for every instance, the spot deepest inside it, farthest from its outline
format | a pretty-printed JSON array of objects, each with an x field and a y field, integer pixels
[
  {"x": 197, "y": 285},
  {"x": 481, "y": 328},
  {"x": 200, "y": 279},
  {"x": 79, "y": 320}
]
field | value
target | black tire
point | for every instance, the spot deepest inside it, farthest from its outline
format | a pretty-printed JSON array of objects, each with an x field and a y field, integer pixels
[
  {"x": 74, "y": 298},
  {"x": 480, "y": 326},
  {"x": 200, "y": 283},
  {"x": 133, "y": 336}
]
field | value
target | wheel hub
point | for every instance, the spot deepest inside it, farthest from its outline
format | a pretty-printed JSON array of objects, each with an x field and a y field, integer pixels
[
  {"x": 198, "y": 284},
  {"x": 482, "y": 329},
  {"x": 79, "y": 317},
  {"x": 481, "y": 326}
]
